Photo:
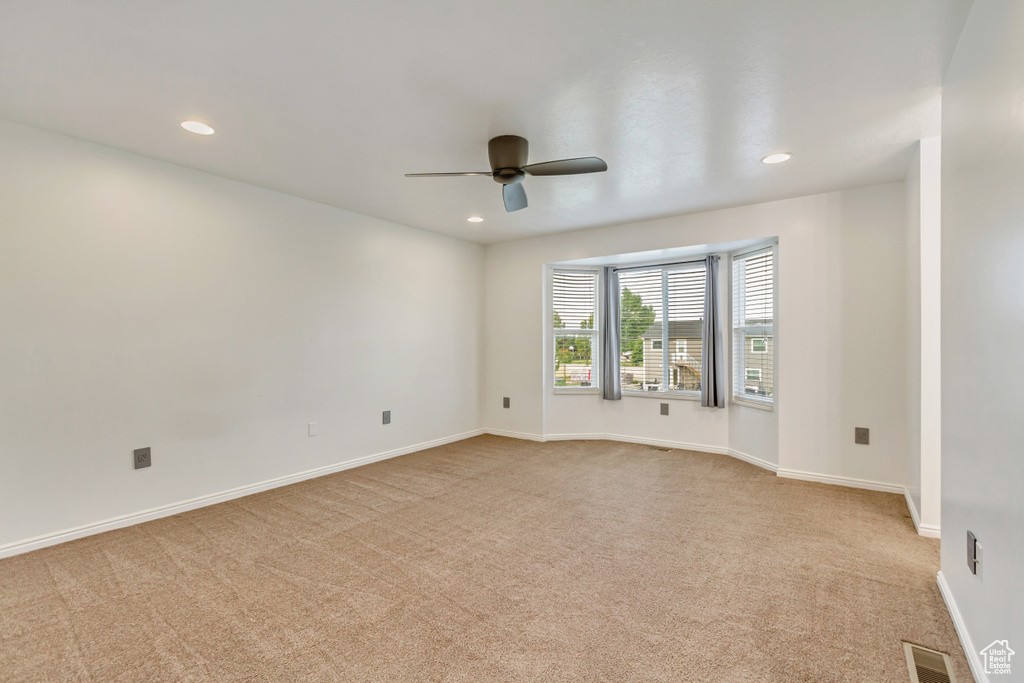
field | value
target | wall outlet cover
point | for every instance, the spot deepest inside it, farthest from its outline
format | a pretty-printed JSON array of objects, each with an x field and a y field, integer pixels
[
  {"x": 861, "y": 435},
  {"x": 313, "y": 429},
  {"x": 505, "y": 402},
  {"x": 664, "y": 409},
  {"x": 387, "y": 417},
  {"x": 142, "y": 457}
]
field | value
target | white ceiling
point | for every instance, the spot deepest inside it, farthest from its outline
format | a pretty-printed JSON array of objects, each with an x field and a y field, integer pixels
[{"x": 334, "y": 101}]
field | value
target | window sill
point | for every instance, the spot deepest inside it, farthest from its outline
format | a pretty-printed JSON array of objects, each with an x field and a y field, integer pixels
[
  {"x": 754, "y": 403},
  {"x": 577, "y": 390},
  {"x": 674, "y": 395}
]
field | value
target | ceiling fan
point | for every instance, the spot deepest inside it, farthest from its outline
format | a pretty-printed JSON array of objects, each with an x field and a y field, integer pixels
[{"x": 508, "y": 166}]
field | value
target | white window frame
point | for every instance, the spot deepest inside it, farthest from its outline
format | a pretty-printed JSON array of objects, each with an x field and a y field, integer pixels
[
  {"x": 595, "y": 333},
  {"x": 665, "y": 346},
  {"x": 739, "y": 395}
]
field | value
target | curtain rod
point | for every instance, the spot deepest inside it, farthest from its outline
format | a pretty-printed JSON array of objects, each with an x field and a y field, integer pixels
[{"x": 661, "y": 265}]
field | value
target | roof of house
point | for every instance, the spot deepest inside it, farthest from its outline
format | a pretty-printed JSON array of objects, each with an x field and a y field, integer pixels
[{"x": 677, "y": 329}]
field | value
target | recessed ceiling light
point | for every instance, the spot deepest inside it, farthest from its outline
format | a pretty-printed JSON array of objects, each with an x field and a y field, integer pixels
[
  {"x": 776, "y": 158},
  {"x": 475, "y": 219},
  {"x": 197, "y": 127}
]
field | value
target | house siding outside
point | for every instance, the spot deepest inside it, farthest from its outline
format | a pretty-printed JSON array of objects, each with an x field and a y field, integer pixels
[
  {"x": 758, "y": 376},
  {"x": 685, "y": 346}
]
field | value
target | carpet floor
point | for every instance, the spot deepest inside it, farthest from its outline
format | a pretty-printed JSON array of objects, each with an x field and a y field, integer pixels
[{"x": 493, "y": 559}]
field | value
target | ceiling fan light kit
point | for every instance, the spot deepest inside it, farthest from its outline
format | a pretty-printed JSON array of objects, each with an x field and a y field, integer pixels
[{"x": 508, "y": 155}]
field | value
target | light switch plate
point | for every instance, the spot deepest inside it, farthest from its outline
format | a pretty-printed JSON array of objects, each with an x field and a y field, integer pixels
[
  {"x": 505, "y": 402},
  {"x": 664, "y": 409},
  {"x": 313, "y": 429},
  {"x": 387, "y": 417}
]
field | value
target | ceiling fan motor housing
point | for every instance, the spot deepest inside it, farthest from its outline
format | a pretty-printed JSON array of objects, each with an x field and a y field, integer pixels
[
  {"x": 508, "y": 155},
  {"x": 509, "y": 176}
]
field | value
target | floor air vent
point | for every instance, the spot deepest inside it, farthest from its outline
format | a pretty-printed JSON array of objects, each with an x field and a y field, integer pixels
[{"x": 928, "y": 666}]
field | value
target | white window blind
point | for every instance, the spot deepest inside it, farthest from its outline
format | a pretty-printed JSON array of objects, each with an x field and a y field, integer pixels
[
  {"x": 574, "y": 313},
  {"x": 753, "y": 317},
  {"x": 658, "y": 356}
]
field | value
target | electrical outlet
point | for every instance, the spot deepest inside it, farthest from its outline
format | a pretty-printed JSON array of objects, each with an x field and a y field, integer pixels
[
  {"x": 142, "y": 457},
  {"x": 313, "y": 429},
  {"x": 861, "y": 435},
  {"x": 505, "y": 402},
  {"x": 387, "y": 417},
  {"x": 973, "y": 554},
  {"x": 664, "y": 409}
]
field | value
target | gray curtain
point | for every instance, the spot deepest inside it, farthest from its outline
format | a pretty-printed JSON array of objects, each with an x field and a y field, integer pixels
[
  {"x": 611, "y": 389},
  {"x": 713, "y": 385}
]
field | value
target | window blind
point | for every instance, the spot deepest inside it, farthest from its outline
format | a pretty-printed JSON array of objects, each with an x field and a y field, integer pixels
[
  {"x": 574, "y": 313},
  {"x": 753, "y": 317}
]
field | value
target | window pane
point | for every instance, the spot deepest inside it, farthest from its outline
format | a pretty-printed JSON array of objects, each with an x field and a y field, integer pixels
[
  {"x": 685, "y": 328},
  {"x": 758, "y": 368},
  {"x": 640, "y": 314},
  {"x": 753, "y": 312},
  {"x": 574, "y": 305},
  {"x": 573, "y": 360}
]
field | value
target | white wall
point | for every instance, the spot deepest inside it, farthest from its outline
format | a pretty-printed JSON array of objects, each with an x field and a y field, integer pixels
[
  {"x": 144, "y": 304},
  {"x": 983, "y": 324},
  {"x": 840, "y": 335},
  {"x": 912, "y": 292},
  {"x": 924, "y": 345},
  {"x": 931, "y": 334}
]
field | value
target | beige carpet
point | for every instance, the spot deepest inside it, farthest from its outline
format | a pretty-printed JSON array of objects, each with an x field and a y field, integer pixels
[{"x": 493, "y": 560}]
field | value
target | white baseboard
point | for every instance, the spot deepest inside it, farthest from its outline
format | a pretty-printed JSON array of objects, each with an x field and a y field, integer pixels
[
  {"x": 661, "y": 443},
  {"x": 703, "y": 448},
  {"x": 973, "y": 658},
  {"x": 513, "y": 435},
  {"x": 19, "y": 547},
  {"x": 914, "y": 515},
  {"x": 753, "y": 460},
  {"x": 851, "y": 482},
  {"x": 926, "y": 530}
]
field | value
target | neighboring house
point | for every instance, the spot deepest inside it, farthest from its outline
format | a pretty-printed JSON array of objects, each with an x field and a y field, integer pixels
[
  {"x": 758, "y": 351},
  {"x": 684, "y": 356}
]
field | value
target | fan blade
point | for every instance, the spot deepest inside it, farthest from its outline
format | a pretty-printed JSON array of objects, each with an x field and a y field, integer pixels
[
  {"x": 434, "y": 175},
  {"x": 507, "y": 151},
  {"x": 514, "y": 196},
  {"x": 567, "y": 166}
]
